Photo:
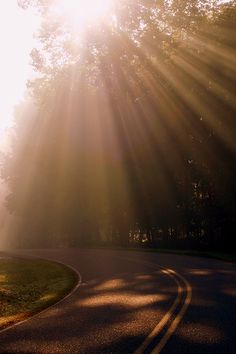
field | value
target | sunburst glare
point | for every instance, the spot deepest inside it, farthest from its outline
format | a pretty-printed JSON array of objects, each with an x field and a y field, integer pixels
[{"x": 81, "y": 13}]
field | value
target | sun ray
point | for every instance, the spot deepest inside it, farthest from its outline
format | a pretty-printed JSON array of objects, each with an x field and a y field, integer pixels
[{"x": 81, "y": 13}]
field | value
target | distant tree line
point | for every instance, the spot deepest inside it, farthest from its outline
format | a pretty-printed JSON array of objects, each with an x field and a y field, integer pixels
[{"x": 131, "y": 136}]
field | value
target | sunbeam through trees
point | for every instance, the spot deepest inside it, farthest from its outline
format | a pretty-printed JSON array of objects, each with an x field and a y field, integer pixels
[{"x": 130, "y": 134}]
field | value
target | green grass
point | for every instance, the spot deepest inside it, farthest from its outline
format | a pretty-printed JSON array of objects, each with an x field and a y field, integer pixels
[{"x": 28, "y": 286}]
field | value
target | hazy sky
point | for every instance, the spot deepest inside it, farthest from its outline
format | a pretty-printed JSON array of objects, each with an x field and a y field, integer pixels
[{"x": 16, "y": 40}]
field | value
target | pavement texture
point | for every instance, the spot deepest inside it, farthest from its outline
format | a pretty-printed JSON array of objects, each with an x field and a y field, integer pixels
[{"x": 123, "y": 296}]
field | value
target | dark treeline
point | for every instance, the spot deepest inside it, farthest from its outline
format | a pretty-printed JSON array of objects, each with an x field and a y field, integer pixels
[{"x": 131, "y": 138}]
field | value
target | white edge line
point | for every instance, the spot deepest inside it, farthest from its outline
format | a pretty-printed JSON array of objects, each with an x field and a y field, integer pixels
[
  {"x": 157, "y": 329},
  {"x": 56, "y": 303}
]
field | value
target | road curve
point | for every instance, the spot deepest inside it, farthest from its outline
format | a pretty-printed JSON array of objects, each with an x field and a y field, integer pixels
[{"x": 134, "y": 302}]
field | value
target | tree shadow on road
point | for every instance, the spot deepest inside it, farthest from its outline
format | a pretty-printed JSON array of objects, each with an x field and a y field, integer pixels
[{"x": 115, "y": 313}]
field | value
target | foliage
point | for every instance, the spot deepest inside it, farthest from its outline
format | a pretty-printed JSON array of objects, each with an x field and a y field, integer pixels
[{"x": 133, "y": 138}]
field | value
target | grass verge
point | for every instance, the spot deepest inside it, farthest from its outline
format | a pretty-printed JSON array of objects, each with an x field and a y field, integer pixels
[{"x": 28, "y": 286}]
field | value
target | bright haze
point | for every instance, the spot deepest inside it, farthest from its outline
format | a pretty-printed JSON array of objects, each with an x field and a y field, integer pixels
[
  {"x": 20, "y": 26},
  {"x": 16, "y": 38},
  {"x": 129, "y": 138}
]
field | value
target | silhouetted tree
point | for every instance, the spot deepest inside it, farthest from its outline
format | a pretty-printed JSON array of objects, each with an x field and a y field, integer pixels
[{"x": 132, "y": 135}]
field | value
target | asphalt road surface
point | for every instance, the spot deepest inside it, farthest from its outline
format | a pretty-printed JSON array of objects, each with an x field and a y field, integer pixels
[{"x": 134, "y": 302}]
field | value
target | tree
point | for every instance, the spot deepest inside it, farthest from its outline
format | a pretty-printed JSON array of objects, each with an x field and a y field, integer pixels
[{"x": 134, "y": 125}]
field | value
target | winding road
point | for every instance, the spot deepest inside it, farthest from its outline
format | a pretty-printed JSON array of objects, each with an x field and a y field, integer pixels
[{"x": 134, "y": 302}]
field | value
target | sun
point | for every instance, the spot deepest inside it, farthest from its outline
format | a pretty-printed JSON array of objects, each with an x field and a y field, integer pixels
[{"x": 83, "y": 12}]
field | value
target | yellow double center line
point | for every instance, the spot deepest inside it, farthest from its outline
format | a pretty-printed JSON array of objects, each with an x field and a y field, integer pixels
[{"x": 170, "y": 313}]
